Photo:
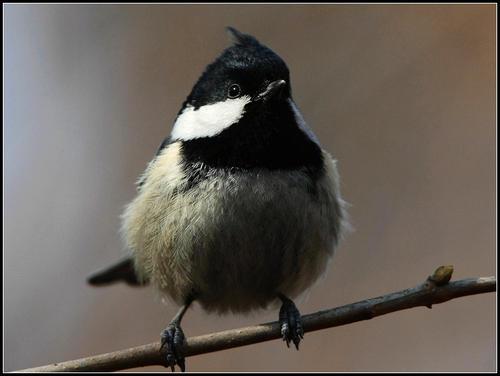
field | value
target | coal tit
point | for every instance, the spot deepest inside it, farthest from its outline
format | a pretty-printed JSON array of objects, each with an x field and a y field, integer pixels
[{"x": 240, "y": 207}]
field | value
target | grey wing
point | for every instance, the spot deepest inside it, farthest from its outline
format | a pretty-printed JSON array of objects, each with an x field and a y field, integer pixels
[
  {"x": 167, "y": 141},
  {"x": 302, "y": 123},
  {"x": 124, "y": 271}
]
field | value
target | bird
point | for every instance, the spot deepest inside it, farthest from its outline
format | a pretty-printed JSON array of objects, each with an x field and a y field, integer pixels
[{"x": 240, "y": 208}]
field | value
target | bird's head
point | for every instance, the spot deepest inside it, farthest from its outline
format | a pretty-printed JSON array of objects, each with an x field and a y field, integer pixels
[
  {"x": 247, "y": 80},
  {"x": 240, "y": 114}
]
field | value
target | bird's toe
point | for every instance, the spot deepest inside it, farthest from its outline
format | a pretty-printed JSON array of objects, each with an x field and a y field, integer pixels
[
  {"x": 291, "y": 323},
  {"x": 172, "y": 342}
]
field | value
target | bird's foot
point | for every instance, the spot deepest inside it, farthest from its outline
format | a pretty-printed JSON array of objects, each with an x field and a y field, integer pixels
[
  {"x": 290, "y": 323},
  {"x": 172, "y": 338}
]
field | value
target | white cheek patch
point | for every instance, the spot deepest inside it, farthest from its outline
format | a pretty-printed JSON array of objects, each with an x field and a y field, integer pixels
[
  {"x": 302, "y": 123},
  {"x": 208, "y": 120}
]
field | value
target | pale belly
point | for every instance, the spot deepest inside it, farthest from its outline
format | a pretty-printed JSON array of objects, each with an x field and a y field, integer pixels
[{"x": 237, "y": 240}]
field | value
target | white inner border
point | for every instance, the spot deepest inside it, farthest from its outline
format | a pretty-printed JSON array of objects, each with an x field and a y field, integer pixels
[{"x": 208, "y": 120}]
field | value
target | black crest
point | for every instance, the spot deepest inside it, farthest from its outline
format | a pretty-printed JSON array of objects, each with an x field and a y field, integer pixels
[
  {"x": 246, "y": 62},
  {"x": 241, "y": 39},
  {"x": 267, "y": 136}
]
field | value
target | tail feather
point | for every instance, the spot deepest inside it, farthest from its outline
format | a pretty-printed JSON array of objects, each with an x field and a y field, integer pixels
[{"x": 122, "y": 271}]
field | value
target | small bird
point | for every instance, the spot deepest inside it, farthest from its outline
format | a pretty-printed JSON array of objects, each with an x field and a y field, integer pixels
[{"x": 240, "y": 208}]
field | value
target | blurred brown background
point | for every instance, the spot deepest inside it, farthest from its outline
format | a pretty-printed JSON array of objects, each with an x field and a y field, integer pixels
[{"x": 403, "y": 96}]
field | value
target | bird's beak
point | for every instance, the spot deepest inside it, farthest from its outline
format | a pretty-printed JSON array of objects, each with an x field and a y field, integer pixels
[{"x": 271, "y": 90}]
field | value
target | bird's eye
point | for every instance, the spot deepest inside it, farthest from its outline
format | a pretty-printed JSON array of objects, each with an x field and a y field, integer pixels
[{"x": 234, "y": 91}]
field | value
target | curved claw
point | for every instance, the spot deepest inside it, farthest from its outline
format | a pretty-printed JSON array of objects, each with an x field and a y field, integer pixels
[
  {"x": 173, "y": 339},
  {"x": 291, "y": 323}
]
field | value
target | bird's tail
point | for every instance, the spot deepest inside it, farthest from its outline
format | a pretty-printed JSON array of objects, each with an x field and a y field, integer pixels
[{"x": 122, "y": 271}]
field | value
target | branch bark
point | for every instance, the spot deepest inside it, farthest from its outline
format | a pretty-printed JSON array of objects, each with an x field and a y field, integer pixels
[{"x": 436, "y": 289}]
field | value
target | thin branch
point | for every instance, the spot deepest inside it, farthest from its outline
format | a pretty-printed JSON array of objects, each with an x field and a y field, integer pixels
[{"x": 434, "y": 290}]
